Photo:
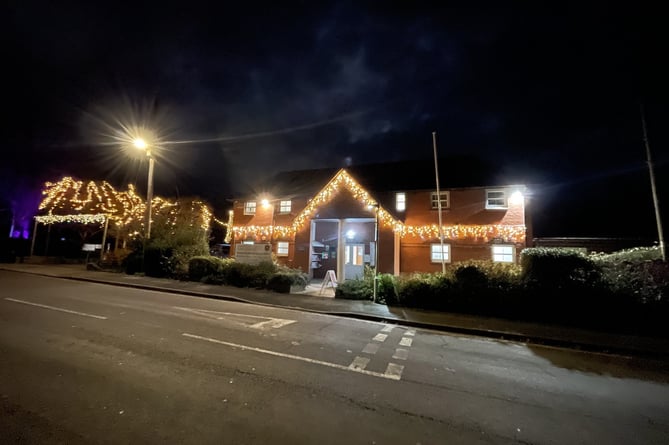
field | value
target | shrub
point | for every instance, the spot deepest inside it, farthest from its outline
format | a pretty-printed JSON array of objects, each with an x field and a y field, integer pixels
[
  {"x": 200, "y": 267},
  {"x": 249, "y": 275},
  {"x": 635, "y": 276},
  {"x": 360, "y": 289},
  {"x": 423, "y": 290},
  {"x": 285, "y": 279},
  {"x": 158, "y": 262},
  {"x": 386, "y": 291},
  {"x": 556, "y": 266}
]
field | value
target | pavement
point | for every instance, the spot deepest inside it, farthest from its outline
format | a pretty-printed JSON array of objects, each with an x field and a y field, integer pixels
[{"x": 320, "y": 300}]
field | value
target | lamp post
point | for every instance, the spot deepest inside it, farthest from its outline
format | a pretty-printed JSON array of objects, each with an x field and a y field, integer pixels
[{"x": 141, "y": 144}]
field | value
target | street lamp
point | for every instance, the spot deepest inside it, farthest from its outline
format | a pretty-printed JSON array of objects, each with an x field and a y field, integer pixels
[{"x": 141, "y": 144}]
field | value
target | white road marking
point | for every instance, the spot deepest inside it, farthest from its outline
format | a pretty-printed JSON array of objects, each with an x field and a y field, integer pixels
[
  {"x": 406, "y": 341},
  {"x": 83, "y": 314},
  {"x": 380, "y": 337},
  {"x": 294, "y": 357},
  {"x": 410, "y": 332},
  {"x": 401, "y": 354},
  {"x": 388, "y": 328},
  {"x": 394, "y": 371},
  {"x": 269, "y": 322},
  {"x": 359, "y": 363},
  {"x": 371, "y": 348}
]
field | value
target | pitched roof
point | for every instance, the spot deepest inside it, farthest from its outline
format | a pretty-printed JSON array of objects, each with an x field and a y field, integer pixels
[{"x": 454, "y": 172}]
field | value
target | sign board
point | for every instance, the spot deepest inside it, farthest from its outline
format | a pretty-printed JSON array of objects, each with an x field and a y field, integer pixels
[
  {"x": 253, "y": 253},
  {"x": 330, "y": 280},
  {"x": 91, "y": 247}
]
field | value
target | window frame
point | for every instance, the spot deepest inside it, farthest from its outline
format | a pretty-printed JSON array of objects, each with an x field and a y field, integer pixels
[
  {"x": 512, "y": 255},
  {"x": 285, "y": 208},
  {"x": 434, "y": 203},
  {"x": 505, "y": 197},
  {"x": 447, "y": 249},
  {"x": 247, "y": 207},
  {"x": 400, "y": 204},
  {"x": 279, "y": 248}
]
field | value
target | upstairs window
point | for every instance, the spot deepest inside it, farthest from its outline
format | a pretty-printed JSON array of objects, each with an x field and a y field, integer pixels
[
  {"x": 250, "y": 208},
  {"x": 282, "y": 248},
  {"x": 436, "y": 253},
  {"x": 443, "y": 197},
  {"x": 495, "y": 199},
  {"x": 503, "y": 254},
  {"x": 284, "y": 206},
  {"x": 400, "y": 201}
]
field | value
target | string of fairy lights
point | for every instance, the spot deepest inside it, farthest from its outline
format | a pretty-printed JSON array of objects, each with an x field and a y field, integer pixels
[
  {"x": 342, "y": 179},
  {"x": 74, "y": 201}
]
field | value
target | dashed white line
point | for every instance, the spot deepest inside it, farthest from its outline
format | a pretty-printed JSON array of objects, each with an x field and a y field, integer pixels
[
  {"x": 410, "y": 332},
  {"x": 388, "y": 328},
  {"x": 401, "y": 354},
  {"x": 59, "y": 309},
  {"x": 391, "y": 376},
  {"x": 406, "y": 341},
  {"x": 371, "y": 348},
  {"x": 359, "y": 363},
  {"x": 394, "y": 371},
  {"x": 380, "y": 337}
]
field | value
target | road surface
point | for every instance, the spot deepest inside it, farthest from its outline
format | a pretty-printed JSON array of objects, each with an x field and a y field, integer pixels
[{"x": 92, "y": 363}]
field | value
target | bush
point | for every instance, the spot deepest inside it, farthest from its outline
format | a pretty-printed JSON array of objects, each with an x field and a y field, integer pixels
[
  {"x": 249, "y": 275},
  {"x": 386, "y": 291},
  {"x": 157, "y": 262},
  {"x": 200, "y": 267},
  {"x": 423, "y": 290},
  {"x": 360, "y": 289},
  {"x": 132, "y": 263},
  {"x": 286, "y": 279},
  {"x": 556, "y": 266}
]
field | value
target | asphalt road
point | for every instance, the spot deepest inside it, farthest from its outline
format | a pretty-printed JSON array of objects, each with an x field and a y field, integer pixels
[{"x": 92, "y": 363}]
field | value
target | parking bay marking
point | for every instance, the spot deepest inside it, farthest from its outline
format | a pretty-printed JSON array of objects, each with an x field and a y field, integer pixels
[
  {"x": 394, "y": 372},
  {"x": 59, "y": 309},
  {"x": 269, "y": 322}
]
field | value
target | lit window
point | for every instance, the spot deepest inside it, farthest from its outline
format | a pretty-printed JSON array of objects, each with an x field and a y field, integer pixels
[
  {"x": 444, "y": 198},
  {"x": 250, "y": 208},
  {"x": 436, "y": 253},
  {"x": 282, "y": 248},
  {"x": 400, "y": 201},
  {"x": 503, "y": 254},
  {"x": 248, "y": 242},
  {"x": 495, "y": 199},
  {"x": 284, "y": 206}
]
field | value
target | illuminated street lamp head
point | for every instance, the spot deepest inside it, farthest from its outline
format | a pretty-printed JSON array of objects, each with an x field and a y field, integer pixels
[{"x": 140, "y": 143}]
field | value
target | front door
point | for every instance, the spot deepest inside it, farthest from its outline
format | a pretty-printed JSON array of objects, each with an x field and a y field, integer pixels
[{"x": 354, "y": 265}]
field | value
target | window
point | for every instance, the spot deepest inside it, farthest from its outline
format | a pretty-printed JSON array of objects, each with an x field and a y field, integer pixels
[
  {"x": 284, "y": 206},
  {"x": 503, "y": 254},
  {"x": 400, "y": 201},
  {"x": 250, "y": 208},
  {"x": 436, "y": 254},
  {"x": 495, "y": 199},
  {"x": 282, "y": 248},
  {"x": 435, "y": 201}
]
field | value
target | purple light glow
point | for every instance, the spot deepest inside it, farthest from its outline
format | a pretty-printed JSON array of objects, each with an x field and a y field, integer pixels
[{"x": 23, "y": 207}]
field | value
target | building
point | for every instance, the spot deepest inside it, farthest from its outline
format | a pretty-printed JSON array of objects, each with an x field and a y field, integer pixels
[{"x": 385, "y": 215}]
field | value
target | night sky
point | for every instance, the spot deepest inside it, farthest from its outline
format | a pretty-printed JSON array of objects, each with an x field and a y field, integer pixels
[{"x": 240, "y": 91}]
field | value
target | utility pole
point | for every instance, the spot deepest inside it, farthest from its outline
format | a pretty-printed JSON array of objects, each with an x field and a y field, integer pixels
[
  {"x": 441, "y": 229},
  {"x": 653, "y": 188}
]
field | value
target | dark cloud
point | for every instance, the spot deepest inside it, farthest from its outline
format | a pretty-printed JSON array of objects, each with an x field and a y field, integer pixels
[{"x": 249, "y": 90}]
